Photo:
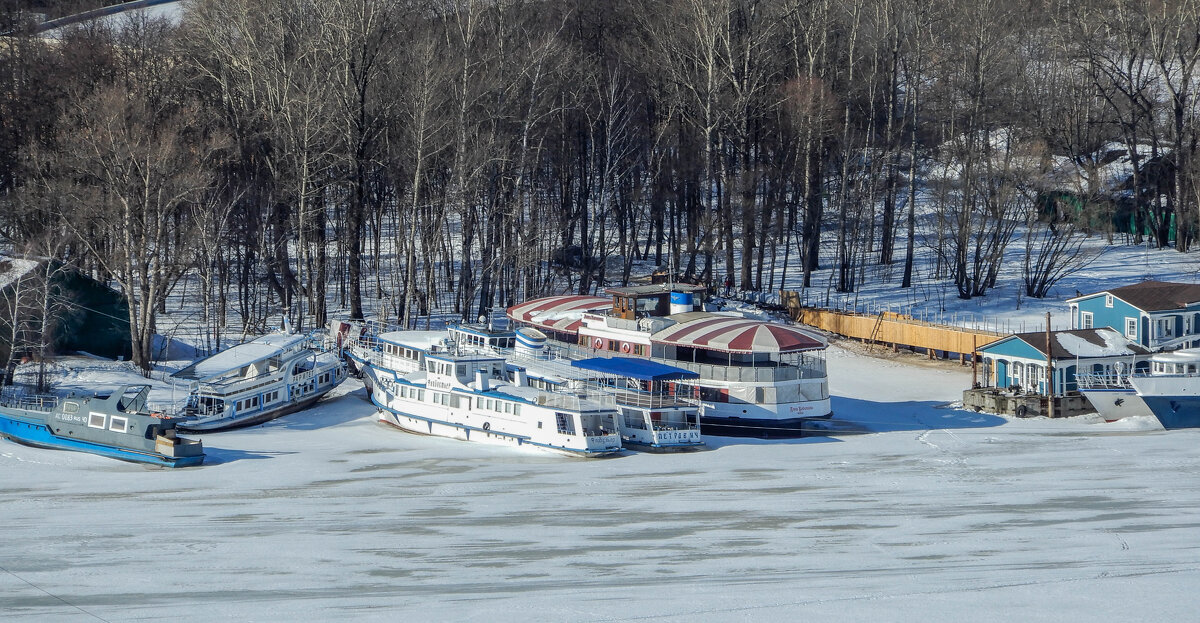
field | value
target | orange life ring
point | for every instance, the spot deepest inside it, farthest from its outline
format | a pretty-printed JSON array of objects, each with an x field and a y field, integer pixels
[
  {"x": 598, "y": 343},
  {"x": 625, "y": 348}
]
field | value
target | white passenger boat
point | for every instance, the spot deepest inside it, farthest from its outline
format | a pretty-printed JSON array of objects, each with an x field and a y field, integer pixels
[
  {"x": 469, "y": 397},
  {"x": 756, "y": 378},
  {"x": 258, "y": 381}
]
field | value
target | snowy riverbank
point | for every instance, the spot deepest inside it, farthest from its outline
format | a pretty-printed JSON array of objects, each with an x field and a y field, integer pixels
[{"x": 325, "y": 514}]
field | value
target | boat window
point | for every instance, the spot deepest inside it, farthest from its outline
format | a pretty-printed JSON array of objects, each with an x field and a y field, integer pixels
[
  {"x": 454, "y": 403},
  {"x": 517, "y": 409},
  {"x": 118, "y": 424},
  {"x": 96, "y": 420},
  {"x": 566, "y": 424},
  {"x": 462, "y": 370}
]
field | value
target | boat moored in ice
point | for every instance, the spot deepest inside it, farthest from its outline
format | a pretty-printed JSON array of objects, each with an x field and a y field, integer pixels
[
  {"x": 1171, "y": 388},
  {"x": 258, "y": 381},
  {"x": 116, "y": 425},
  {"x": 467, "y": 396},
  {"x": 756, "y": 378}
]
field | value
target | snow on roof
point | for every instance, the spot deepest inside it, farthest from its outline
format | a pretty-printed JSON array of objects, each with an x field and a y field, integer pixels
[
  {"x": 1112, "y": 344},
  {"x": 236, "y": 357},
  {"x": 420, "y": 340},
  {"x": 736, "y": 335},
  {"x": 1083, "y": 343},
  {"x": 14, "y": 268},
  {"x": 558, "y": 313}
]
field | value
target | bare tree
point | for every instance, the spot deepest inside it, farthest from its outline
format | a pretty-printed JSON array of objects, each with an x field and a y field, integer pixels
[{"x": 137, "y": 170}]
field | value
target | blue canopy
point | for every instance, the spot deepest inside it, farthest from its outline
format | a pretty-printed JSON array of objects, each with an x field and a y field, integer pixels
[{"x": 641, "y": 369}]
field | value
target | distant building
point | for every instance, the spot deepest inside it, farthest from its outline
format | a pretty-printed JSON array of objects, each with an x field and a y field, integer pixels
[
  {"x": 1019, "y": 361},
  {"x": 1154, "y": 314}
]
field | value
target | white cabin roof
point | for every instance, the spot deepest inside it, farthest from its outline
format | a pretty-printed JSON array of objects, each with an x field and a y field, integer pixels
[
  {"x": 1185, "y": 355},
  {"x": 419, "y": 340},
  {"x": 237, "y": 357}
]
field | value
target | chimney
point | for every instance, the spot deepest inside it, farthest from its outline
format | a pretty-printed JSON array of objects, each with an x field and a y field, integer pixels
[{"x": 481, "y": 380}]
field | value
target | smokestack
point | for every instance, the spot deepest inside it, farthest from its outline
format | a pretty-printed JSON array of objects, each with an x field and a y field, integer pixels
[{"x": 481, "y": 380}]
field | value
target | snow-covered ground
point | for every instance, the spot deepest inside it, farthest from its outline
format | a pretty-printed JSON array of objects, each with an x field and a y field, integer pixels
[{"x": 939, "y": 514}]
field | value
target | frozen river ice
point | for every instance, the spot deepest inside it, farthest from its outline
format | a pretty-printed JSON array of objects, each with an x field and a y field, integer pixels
[{"x": 938, "y": 514}]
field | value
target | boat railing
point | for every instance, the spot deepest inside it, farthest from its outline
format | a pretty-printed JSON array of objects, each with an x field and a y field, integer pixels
[
  {"x": 581, "y": 401},
  {"x": 243, "y": 383},
  {"x": 766, "y": 373},
  {"x": 753, "y": 374},
  {"x": 17, "y": 399},
  {"x": 1092, "y": 380}
]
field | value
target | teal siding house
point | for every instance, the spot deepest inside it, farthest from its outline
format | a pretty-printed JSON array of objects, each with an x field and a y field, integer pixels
[
  {"x": 1155, "y": 314},
  {"x": 1018, "y": 362}
]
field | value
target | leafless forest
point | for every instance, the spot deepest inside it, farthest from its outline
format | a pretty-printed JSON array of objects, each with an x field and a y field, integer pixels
[{"x": 461, "y": 156}]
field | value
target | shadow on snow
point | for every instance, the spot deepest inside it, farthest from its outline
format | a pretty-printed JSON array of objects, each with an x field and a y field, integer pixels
[{"x": 853, "y": 416}]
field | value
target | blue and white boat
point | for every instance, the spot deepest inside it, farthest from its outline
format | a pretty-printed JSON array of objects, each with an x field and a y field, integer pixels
[
  {"x": 258, "y": 381},
  {"x": 1171, "y": 390},
  {"x": 659, "y": 404},
  {"x": 116, "y": 425},
  {"x": 469, "y": 396}
]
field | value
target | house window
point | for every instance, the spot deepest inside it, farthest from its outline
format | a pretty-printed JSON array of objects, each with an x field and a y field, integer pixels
[
  {"x": 1166, "y": 327},
  {"x": 1131, "y": 328},
  {"x": 1085, "y": 319},
  {"x": 1108, "y": 300}
]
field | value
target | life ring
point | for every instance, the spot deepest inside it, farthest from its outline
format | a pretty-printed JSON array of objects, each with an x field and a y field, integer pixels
[
  {"x": 598, "y": 343},
  {"x": 487, "y": 426},
  {"x": 625, "y": 348}
]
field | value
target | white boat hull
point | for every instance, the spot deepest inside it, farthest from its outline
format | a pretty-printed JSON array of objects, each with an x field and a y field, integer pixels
[
  {"x": 535, "y": 429},
  {"x": 1115, "y": 404}
]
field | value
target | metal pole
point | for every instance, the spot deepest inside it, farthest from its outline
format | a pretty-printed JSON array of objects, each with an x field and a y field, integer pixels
[{"x": 1049, "y": 371}]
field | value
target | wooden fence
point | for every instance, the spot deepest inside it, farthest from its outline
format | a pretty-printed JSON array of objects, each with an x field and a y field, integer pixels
[{"x": 895, "y": 330}]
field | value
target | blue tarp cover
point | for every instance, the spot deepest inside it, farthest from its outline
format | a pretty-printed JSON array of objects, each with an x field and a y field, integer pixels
[{"x": 641, "y": 369}]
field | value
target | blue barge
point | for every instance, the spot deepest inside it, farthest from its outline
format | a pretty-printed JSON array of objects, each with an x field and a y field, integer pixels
[{"x": 116, "y": 425}]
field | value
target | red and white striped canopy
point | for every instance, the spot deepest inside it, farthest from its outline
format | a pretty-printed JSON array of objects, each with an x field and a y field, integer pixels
[
  {"x": 557, "y": 313},
  {"x": 736, "y": 335}
]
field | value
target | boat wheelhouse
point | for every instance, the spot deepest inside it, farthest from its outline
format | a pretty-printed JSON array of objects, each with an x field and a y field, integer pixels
[
  {"x": 756, "y": 378},
  {"x": 468, "y": 397},
  {"x": 117, "y": 425},
  {"x": 258, "y": 381}
]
